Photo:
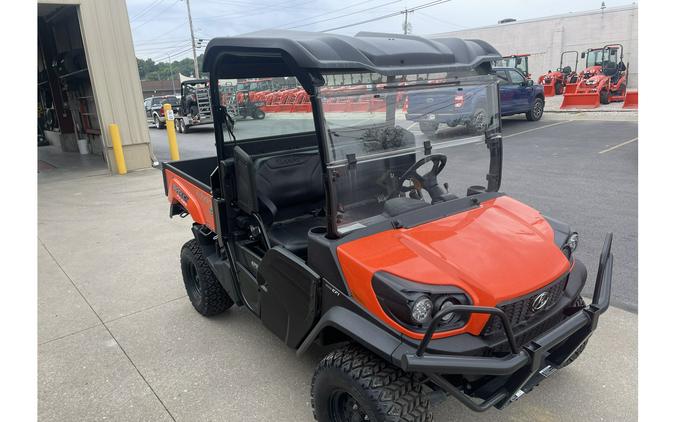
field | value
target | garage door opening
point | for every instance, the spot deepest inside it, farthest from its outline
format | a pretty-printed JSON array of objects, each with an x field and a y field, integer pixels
[{"x": 69, "y": 131}]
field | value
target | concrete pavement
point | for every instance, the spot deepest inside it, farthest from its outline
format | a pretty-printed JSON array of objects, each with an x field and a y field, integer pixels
[{"x": 119, "y": 340}]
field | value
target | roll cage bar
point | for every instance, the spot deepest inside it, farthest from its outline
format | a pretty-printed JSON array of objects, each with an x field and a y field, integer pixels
[
  {"x": 576, "y": 59},
  {"x": 307, "y": 55}
]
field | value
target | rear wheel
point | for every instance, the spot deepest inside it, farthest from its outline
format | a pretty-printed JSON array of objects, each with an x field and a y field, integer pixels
[
  {"x": 158, "y": 124},
  {"x": 604, "y": 96},
  {"x": 479, "y": 121},
  {"x": 559, "y": 88},
  {"x": 578, "y": 303},
  {"x": 351, "y": 384},
  {"x": 258, "y": 114},
  {"x": 536, "y": 111},
  {"x": 428, "y": 128},
  {"x": 205, "y": 292}
]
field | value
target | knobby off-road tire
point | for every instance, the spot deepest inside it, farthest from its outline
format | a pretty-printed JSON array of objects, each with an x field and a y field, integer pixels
[
  {"x": 559, "y": 88},
  {"x": 352, "y": 384},
  {"x": 428, "y": 128},
  {"x": 536, "y": 111},
  {"x": 578, "y": 302},
  {"x": 205, "y": 292},
  {"x": 604, "y": 96}
]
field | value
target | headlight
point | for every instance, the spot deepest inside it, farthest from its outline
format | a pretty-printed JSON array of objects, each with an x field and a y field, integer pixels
[
  {"x": 420, "y": 312},
  {"x": 570, "y": 244},
  {"x": 413, "y": 305},
  {"x": 589, "y": 82}
]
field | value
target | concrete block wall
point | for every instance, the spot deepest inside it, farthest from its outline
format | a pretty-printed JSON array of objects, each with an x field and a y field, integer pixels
[{"x": 547, "y": 37}]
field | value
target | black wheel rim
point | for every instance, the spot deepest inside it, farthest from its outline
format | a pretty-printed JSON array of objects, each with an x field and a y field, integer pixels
[
  {"x": 194, "y": 288},
  {"x": 344, "y": 407},
  {"x": 538, "y": 108}
]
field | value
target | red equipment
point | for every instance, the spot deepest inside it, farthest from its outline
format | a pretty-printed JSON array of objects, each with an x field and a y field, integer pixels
[
  {"x": 517, "y": 61},
  {"x": 602, "y": 81},
  {"x": 631, "y": 100},
  {"x": 554, "y": 82}
]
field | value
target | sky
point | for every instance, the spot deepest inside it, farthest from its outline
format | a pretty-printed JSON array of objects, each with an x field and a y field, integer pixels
[{"x": 160, "y": 27}]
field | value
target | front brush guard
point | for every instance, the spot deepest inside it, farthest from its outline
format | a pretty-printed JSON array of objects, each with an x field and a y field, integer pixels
[{"x": 527, "y": 366}]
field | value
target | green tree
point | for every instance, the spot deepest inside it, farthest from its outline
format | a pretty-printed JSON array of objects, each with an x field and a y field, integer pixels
[{"x": 149, "y": 70}]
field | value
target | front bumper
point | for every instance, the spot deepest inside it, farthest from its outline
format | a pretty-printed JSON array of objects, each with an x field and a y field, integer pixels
[{"x": 524, "y": 367}]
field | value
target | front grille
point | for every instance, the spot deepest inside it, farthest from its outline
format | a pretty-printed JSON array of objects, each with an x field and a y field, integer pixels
[
  {"x": 526, "y": 336},
  {"x": 519, "y": 311}
]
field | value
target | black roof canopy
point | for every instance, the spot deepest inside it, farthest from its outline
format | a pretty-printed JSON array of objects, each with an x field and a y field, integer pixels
[{"x": 283, "y": 53}]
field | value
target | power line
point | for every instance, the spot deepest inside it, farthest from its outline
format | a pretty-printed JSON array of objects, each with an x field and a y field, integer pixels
[
  {"x": 390, "y": 15},
  {"x": 330, "y": 12},
  {"x": 345, "y": 15},
  {"x": 146, "y": 10},
  {"x": 442, "y": 20}
]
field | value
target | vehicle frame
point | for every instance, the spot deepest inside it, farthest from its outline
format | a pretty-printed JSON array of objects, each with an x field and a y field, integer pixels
[{"x": 306, "y": 299}]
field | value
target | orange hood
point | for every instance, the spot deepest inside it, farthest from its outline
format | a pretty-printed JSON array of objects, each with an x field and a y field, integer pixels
[{"x": 499, "y": 251}]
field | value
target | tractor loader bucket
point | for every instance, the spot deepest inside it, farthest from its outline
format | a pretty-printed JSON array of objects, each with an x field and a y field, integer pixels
[
  {"x": 549, "y": 90},
  {"x": 571, "y": 89},
  {"x": 631, "y": 100},
  {"x": 586, "y": 100}
]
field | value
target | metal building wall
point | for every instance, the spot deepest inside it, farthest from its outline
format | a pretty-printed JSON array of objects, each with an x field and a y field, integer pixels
[
  {"x": 111, "y": 60},
  {"x": 546, "y": 38}
]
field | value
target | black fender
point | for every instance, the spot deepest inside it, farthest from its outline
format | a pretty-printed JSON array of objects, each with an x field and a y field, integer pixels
[{"x": 367, "y": 333}]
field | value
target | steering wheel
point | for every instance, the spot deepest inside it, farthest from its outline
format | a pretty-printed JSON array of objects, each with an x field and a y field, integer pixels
[{"x": 429, "y": 180}]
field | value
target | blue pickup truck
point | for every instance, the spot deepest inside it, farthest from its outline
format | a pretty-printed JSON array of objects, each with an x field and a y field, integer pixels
[{"x": 517, "y": 93}]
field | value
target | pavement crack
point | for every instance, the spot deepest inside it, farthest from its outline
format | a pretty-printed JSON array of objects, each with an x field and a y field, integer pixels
[{"x": 108, "y": 329}]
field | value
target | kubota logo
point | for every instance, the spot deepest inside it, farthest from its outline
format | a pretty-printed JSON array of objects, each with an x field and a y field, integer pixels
[{"x": 540, "y": 302}]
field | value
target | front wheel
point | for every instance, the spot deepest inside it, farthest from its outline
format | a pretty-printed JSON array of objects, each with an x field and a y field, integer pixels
[
  {"x": 203, "y": 288},
  {"x": 352, "y": 384},
  {"x": 559, "y": 88},
  {"x": 536, "y": 111},
  {"x": 604, "y": 96}
]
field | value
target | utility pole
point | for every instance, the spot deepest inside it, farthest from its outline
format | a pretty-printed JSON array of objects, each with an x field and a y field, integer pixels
[
  {"x": 192, "y": 35},
  {"x": 406, "y": 25},
  {"x": 173, "y": 82}
]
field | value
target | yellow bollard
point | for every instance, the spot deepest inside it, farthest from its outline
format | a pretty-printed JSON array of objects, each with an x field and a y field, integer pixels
[
  {"x": 117, "y": 148},
  {"x": 171, "y": 132}
]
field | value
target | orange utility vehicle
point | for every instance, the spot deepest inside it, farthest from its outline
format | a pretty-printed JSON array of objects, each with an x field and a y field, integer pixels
[
  {"x": 359, "y": 232},
  {"x": 604, "y": 79},
  {"x": 554, "y": 82}
]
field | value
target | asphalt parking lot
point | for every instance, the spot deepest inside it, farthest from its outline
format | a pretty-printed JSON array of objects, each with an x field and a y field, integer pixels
[{"x": 119, "y": 340}]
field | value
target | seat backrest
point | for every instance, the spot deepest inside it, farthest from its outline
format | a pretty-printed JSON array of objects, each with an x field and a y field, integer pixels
[
  {"x": 610, "y": 68},
  {"x": 291, "y": 182}
]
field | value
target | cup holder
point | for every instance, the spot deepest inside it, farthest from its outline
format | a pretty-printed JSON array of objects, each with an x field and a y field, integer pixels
[{"x": 319, "y": 230}]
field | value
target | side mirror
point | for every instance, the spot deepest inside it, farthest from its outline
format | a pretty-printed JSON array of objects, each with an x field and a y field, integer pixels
[
  {"x": 530, "y": 82},
  {"x": 583, "y": 54}
]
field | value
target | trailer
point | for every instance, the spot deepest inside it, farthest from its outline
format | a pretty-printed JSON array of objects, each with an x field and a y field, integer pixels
[{"x": 195, "y": 109}]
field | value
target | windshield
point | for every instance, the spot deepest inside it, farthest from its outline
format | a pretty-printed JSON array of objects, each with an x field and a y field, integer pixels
[
  {"x": 519, "y": 63},
  {"x": 596, "y": 57},
  {"x": 377, "y": 131}
]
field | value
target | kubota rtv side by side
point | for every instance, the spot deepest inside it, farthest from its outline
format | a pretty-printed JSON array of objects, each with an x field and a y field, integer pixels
[{"x": 355, "y": 230}]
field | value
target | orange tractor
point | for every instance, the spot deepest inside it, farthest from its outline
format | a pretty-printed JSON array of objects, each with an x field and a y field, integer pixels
[
  {"x": 516, "y": 61},
  {"x": 554, "y": 82},
  {"x": 603, "y": 80}
]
